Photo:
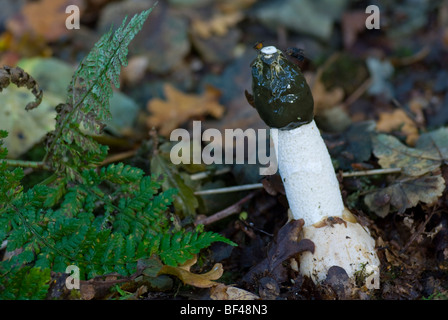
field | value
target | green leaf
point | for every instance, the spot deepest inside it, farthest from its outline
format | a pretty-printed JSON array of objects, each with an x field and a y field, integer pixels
[{"x": 183, "y": 245}]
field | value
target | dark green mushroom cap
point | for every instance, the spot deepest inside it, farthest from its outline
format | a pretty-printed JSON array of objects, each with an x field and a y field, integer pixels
[{"x": 280, "y": 92}]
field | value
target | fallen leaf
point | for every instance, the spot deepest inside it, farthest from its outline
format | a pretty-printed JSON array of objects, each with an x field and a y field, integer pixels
[
  {"x": 224, "y": 292},
  {"x": 218, "y": 25},
  {"x": 354, "y": 146},
  {"x": 337, "y": 285},
  {"x": 268, "y": 288},
  {"x": 204, "y": 280},
  {"x": 179, "y": 107},
  {"x": 435, "y": 141},
  {"x": 217, "y": 49},
  {"x": 44, "y": 18},
  {"x": 398, "y": 120},
  {"x": 286, "y": 244},
  {"x": 323, "y": 98},
  {"x": 26, "y": 128},
  {"x": 412, "y": 161},
  {"x": 123, "y": 109},
  {"x": 420, "y": 181},
  {"x": 405, "y": 193}
]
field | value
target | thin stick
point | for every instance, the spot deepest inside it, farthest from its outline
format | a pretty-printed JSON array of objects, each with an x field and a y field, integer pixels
[
  {"x": 370, "y": 172},
  {"x": 119, "y": 157},
  {"x": 235, "y": 208},
  {"x": 260, "y": 185},
  {"x": 205, "y": 174},
  {"x": 230, "y": 189},
  {"x": 358, "y": 92}
]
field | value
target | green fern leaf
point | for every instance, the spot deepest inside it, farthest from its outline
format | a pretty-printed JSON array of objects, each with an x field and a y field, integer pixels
[
  {"x": 178, "y": 248},
  {"x": 25, "y": 284},
  {"x": 88, "y": 101}
]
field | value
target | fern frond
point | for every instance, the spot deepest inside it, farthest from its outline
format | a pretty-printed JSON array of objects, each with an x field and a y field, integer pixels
[
  {"x": 181, "y": 246},
  {"x": 88, "y": 98},
  {"x": 25, "y": 284},
  {"x": 102, "y": 220}
]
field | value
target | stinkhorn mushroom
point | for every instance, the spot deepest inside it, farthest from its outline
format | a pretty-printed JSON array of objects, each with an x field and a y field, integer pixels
[{"x": 284, "y": 102}]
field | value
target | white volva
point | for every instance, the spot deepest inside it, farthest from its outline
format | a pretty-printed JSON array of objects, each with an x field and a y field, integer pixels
[{"x": 313, "y": 194}]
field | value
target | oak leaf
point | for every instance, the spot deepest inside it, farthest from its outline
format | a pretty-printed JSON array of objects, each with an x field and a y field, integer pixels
[
  {"x": 216, "y": 26},
  {"x": 204, "y": 280},
  {"x": 169, "y": 114},
  {"x": 398, "y": 121}
]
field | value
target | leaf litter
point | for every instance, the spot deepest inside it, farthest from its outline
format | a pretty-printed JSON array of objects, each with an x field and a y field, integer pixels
[{"x": 405, "y": 211}]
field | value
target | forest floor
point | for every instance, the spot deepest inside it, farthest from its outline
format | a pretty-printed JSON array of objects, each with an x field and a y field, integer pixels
[{"x": 380, "y": 96}]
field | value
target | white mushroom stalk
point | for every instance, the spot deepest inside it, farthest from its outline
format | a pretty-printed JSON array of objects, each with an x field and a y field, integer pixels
[{"x": 284, "y": 101}]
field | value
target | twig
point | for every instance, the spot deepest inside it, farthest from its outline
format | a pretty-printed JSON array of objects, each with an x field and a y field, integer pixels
[
  {"x": 358, "y": 92},
  {"x": 119, "y": 156},
  {"x": 205, "y": 174},
  {"x": 260, "y": 185},
  {"x": 370, "y": 172},
  {"x": 235, "y": 208},
  {"x": 230, "y": 189}
]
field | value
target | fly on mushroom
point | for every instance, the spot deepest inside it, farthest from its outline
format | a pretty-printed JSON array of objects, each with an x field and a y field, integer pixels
[{"x": 297, "y": 56}]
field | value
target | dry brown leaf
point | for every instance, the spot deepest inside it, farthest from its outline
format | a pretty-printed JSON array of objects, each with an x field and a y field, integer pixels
[
  {"x": 398, "y": 120},
  {"x": 216, "y": 26},
  {"x": 44, "y": 18},
  {"x": 204, "y": 280},
  {"x": 325, "y": 99},
  {"x": 180, "y": 107},
  {"x": 224, "y": 292}
]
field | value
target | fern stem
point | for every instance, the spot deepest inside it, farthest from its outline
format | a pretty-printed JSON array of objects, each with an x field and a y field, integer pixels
[
  {"x": 27, "y": 164},
  {"x": 49, "y": 180}
]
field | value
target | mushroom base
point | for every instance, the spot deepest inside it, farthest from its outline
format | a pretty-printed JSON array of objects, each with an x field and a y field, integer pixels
[{"x": 344, "y": 244}]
